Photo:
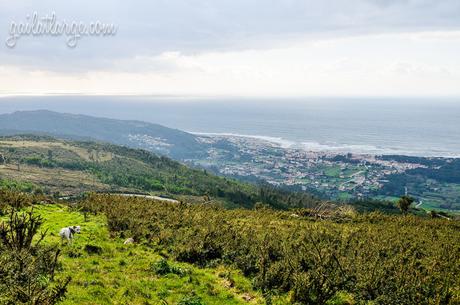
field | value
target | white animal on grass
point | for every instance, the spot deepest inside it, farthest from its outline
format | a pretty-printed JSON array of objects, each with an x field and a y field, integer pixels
[
  {"x": 129, "y": 241},
  {"x": 68, "y": 233}
]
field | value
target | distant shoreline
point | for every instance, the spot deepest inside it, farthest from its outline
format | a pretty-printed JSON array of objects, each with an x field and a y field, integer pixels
[{"x": 327, "y": 148}]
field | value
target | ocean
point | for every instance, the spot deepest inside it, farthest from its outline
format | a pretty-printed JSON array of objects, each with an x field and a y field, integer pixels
[{"x": 418, "y": 127}]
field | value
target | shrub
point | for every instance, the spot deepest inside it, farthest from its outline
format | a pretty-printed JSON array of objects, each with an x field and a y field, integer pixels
[
  {"x": 27, "y": 269},
  {"x": 93, "y": 249},
  {"x": 367, "y": 257},
  {"x": 13, "y": 199}
]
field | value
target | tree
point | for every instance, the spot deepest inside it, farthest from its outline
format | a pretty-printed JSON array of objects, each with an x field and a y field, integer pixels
[
  {"x": 404, "y": 203},
  {"x": 50, "y": 155}
]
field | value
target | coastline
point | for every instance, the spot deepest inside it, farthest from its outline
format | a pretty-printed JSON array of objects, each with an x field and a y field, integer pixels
[{"x": 332, "y": 148}]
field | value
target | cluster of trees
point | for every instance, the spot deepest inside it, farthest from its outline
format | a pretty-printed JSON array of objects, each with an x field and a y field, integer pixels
[
  {"x": 441, "y": 170},
  {"x": 348, "y": 158},
  {"x": 430, "y": 162},
  {"x": 449, "y": 172},
  {"x": 366, "y": 257},
  {"x": 373, "y": 205},
  {"x": 170, "y": 177}
]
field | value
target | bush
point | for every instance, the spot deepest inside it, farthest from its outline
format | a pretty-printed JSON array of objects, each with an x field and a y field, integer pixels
[
  {"x": 16, "y": 200},
  {"x": 93, "y": 249},
  {"x": 369, "y": 257},
  {"x": 27, "y": 269}
]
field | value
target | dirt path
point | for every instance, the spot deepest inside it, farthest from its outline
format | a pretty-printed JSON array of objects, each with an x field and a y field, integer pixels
[{"x": 149, "y": 197}]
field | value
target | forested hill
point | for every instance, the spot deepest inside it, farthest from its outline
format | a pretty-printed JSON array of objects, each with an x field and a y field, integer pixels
[
  {"x": 70, "y": 168},
  {"x": 153, "y": 137}
]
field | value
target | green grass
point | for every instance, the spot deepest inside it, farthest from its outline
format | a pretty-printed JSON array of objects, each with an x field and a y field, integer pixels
[
  {"x": 17, "y": 185},
  {"x": 350, "y": 171},
  {"x": 344, "y": 196},
  {"x": 123, "y": 274},
  {"x": 333, "y": 171},
  {"x": 387, "y": 198}
]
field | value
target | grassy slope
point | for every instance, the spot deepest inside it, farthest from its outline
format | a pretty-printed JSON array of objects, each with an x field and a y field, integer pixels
[
  {"x": 71, "y": 168},
  {"x": 66, "y": 182},
  {"x": 103, "y": 167},
  {"x": 122, "y": 274}
]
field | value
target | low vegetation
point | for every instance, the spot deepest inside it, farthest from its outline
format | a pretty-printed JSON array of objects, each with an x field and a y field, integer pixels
[
  {"x": 104, "y": 271},
  {"x": 359, "y": 257},
  {"x": 204, "y": 254},
  {"x": 272, "y": 247}
]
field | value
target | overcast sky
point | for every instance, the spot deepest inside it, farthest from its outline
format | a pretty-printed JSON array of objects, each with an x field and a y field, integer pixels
[{"x": 239, "y": 48}]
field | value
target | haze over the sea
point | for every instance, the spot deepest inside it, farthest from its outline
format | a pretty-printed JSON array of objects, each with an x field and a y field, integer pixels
[{"x": 421, "y": 127}]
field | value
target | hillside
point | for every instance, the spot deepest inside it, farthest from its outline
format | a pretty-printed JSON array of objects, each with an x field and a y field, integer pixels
[
  {"x": 201, "y": 254},
  {"x": 433, "y": 182},
  {"x": 64, "y": 168},
  {"x": 104, "y": 271},
  {"x": 174, "y": 143}
]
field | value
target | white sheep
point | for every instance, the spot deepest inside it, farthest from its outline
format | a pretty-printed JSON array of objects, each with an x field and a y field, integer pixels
[{"x": 68, "y": 233}]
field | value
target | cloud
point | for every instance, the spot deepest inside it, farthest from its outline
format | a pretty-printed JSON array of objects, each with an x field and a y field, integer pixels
[
  {"x": 240, "y": 47},
  {"x": 150, "y": 28},
  {"x": 383, "y": 64}
]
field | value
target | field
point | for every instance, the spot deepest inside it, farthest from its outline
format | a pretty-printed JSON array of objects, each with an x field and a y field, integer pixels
[
  {"x": 66, "y": 182},
  {"x": 196, "y": 254},
  {"x": 127, "y": 274},
  {"x": 53, "y": 179},
  {"x": 45, "y": 146}
]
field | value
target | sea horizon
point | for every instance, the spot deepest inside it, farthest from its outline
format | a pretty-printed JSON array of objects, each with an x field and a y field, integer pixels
[{"x": 402, "y": 126}]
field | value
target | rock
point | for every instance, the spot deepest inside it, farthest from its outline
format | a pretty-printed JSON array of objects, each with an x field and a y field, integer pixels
[
  {"x": 129, "y": 241},
  {"x": 247, "y": 297},
  {"x": 46, "y": 201},
  {"x": 228, "y": 283}
]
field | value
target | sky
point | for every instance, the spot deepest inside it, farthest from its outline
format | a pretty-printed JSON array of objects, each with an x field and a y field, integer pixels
[{"x": 237, "y": 48}]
